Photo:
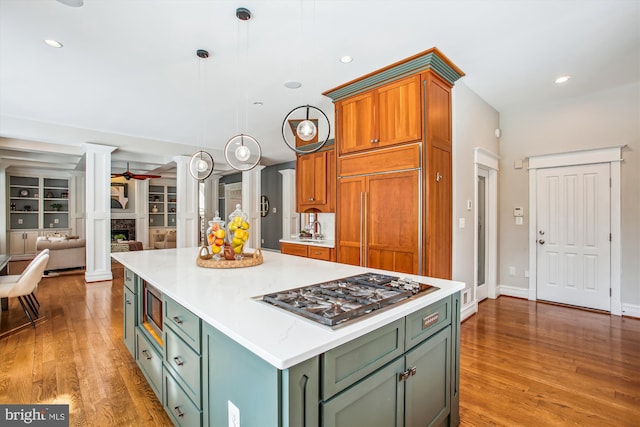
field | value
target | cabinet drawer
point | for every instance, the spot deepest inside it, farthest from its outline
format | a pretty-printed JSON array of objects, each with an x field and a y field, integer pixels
[
  {"x": 150, "y": 362},
  {"x": 383, "y": 160},
  {"x": 424, "y": 323},
  {"x": 350, "y": 362},
  {"x": 178, "y": 405},
  {"x": 130, "y": 280},
  {"x": 320, "y": 253},
  {"x": 185, "y": 362},
  {"x": 376, "y": 401},
  {"x": 183, "y": 322},
  {"x": 293, "y": 249}
]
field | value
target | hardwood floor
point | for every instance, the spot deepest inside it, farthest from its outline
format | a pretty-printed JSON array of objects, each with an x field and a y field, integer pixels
[
  {"x": 76, "y": 356},
  {"x": 522, "y": 363},
  {"x": 534, "y": 364}
]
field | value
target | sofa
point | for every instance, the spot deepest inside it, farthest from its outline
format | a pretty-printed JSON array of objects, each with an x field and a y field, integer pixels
[
  {"x": 63, "y": 252},
  {"x": 165, "y": 241}
]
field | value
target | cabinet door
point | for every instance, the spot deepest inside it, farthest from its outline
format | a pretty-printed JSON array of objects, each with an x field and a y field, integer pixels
[
  {"x": 374, "y": 402},
  {"x": 349, "y": 220},
  {"x": 30, "y": 242},
  {"x": 392, "y": 233},
  {"x": 428, "y": 391},
  {"x": 129, "y": 331},
  {"x": 399, "y": 112},
  {"x": 357, "y": 127},
  {"x": 312, "y": 178},
  {"x": 439, "y": 214},
  {"x": 16, "y": 243}
]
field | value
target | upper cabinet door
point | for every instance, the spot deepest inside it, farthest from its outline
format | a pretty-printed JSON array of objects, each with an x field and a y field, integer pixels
[
  {"x": 389, "y": 115},
  {"x": 357, "y": 129},
  {"x": 312, "y": 181},
  {"x": 399, "y": 113}
]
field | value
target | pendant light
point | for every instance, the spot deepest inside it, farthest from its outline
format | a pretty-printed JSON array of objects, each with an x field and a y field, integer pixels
[
  {"x": 242, "y": 152},
  {"x": 301, "y": 124}
]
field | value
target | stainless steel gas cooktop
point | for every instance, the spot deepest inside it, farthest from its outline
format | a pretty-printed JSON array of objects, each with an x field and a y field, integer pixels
[{"x": 339, "y": 301}]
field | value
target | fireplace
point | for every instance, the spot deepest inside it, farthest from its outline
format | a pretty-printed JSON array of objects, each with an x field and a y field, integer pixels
[{"x": 123, "y": 226}]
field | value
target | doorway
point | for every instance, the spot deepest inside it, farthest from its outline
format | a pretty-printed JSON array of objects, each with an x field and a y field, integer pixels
[
  {"x": 569, "y": 265},
  {"x": 482, "y": 242},
  {"x": 485, "y": 225}
]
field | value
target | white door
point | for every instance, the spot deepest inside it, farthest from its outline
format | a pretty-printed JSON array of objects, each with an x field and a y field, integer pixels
[{"x": 573, "y": 235}]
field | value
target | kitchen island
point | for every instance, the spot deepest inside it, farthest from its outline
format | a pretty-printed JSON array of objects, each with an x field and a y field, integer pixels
[{"x": 224, "y": 352}]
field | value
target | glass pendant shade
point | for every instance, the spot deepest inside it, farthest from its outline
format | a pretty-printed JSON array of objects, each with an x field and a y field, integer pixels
[
  {"x": 242, "y": 153},
  {"x": 306, "y": 130}
]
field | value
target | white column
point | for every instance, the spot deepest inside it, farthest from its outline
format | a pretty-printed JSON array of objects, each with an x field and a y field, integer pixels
[
  {"x": 251, "y": 189},
  {"x": 188, "y": 226},
  {"x": 290, "y": 218},
  {"x": 3, "y": 208},
  {"x": 98, "y": 212},
  {"x": 142, "y": 211}
]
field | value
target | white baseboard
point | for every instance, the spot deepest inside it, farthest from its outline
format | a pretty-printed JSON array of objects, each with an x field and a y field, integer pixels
[
  {"x": 468, "y": 310},
  {"x": 513, "y": 291},
  {"x": 631, "y": 310}
]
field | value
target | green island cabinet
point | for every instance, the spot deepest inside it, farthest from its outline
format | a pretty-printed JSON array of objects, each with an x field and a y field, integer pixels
[{"x": 405, "y": 373}]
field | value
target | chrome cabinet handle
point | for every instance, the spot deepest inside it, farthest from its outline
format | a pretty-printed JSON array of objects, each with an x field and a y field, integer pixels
[
  {"x": 412, "y": 371},
  {"x": 177, "y": 320},
  {"x": 178, "y": 411},
  {"x": 403, "y": 376},
  {"x": 147, "y": 354},
  {"x": 178, "y": 361}
]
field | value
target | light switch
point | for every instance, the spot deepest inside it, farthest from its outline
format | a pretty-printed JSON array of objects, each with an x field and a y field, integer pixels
[
  {"x": 518, "y": 220},
  {"x": 20, "y": 221},
  {"x": 56, "y": 221}
]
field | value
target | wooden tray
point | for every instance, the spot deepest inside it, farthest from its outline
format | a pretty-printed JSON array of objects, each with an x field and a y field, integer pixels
[{"x": 206, "y": 260}]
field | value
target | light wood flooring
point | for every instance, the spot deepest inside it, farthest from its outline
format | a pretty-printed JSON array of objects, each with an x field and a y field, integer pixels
[{"x": 522, "y": 363}]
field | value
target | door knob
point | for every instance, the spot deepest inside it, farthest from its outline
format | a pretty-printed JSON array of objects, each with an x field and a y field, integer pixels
[{"x": 541, "y": 241}]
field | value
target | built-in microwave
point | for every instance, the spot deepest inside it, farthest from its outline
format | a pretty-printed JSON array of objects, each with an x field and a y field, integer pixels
[{"x": 152, "y": 311}]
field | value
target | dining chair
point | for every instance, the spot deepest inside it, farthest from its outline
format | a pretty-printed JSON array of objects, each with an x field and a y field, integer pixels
[{"x": 25, "y": 285}]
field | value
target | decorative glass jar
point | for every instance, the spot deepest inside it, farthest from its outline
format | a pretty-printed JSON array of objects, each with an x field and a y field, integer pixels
[
  {"x": 216, "y": 236},
  {"x": 238, "y": 231}
]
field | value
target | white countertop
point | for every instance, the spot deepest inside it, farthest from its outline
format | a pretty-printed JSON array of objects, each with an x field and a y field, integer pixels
[
  {"x": 226, "y": 299},
  {"x": 311, "y": 242}
]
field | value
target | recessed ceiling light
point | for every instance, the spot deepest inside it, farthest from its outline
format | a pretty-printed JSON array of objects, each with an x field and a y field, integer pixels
[
  {"x": 258, "y": 103},
  {"x": 72, "y": 3},
  {"x": 346, "y": 59},
  {"x": 53, "y": 43},
  {"x": 292, "y": 84},
  {"x": 562, "y": 79}
]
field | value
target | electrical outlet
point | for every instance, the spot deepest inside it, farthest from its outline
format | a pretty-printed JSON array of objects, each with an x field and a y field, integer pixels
[
  {"x": 262, "y": 241},
  {"x": 274, "y": 210},
  {"x": 512, "y": 271},
  {"x": 20, "y": 221},
  {"x": 234, "y": 415},
  {"x": 56, "y": 221},
  {"x": 462, "y": 223}
]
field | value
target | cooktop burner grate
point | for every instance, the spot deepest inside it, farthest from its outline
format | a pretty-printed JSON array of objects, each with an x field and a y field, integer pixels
[{"x": 338, "y": 301}]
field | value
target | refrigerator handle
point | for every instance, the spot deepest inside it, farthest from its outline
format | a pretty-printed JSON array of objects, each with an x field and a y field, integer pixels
[
  {"x": 365, "y": 238},
  {"x": 361, "y": 229}
]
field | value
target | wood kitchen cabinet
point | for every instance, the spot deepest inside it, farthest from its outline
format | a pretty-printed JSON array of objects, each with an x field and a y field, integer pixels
[
  {"x": 386, "y": 120},
  {"x": 308, "y": 251},
  {"x": 378, "y": 222},
  {"x": 388, "y": 115},
  {"x": 315, "y": 182}
]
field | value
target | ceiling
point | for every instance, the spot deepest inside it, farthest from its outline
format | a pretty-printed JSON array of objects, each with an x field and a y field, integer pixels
[{"x": 128, "y": 75}]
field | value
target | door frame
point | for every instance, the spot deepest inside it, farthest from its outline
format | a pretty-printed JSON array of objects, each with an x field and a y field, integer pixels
[
  {"x": 484, "y": 159},
  {"x": 611, "y": 155}
]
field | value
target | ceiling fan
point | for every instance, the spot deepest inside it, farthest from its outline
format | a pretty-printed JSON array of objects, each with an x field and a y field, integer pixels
[{"x": 128, "y": 175}]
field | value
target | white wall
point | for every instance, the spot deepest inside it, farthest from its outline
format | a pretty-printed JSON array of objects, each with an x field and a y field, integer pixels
[
  {"x": 474, "y": 124},
  {"x": 601, "y": 119}
]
